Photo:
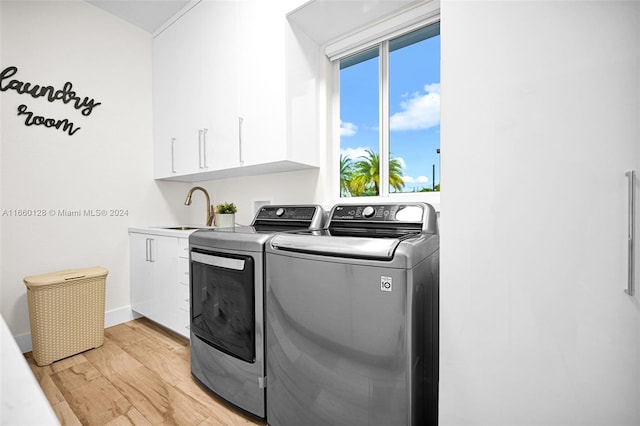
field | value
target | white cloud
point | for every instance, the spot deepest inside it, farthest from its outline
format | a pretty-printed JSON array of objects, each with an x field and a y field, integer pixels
[
  {"x": 419, "y": 179},
  {"x": 403, "y": 164},
  {"x": 420, "y": 111},
  {"x": 354, "y": 153},
  {"x": 347, "y": 129}
]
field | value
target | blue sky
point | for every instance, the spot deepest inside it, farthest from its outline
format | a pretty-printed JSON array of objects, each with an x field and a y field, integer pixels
[{"x": 414, "y": 107}]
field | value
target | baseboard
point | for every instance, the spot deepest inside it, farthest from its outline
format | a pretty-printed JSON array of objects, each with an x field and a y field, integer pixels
[
  {"x": 118, "y": 316},
  {"x": 111, "y": 318}
]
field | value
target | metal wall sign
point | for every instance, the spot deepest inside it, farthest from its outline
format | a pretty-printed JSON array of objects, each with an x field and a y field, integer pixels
[{"x": 66, "y": 94}]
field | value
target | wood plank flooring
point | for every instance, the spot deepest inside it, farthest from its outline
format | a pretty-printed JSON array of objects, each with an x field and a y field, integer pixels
[{"x": 140, "y": 376}]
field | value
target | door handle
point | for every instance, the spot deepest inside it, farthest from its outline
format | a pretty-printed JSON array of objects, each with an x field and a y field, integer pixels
[
  {"x": 240, "y": 123},
  {"x": 173, "y": 161},
  {"x": 200, "y": 149},
  {"x": 148, "y": 249},
  {"x": 150, "y": 254},
  {"x": 630, "y": 290},
  {"x": 204, "y": 147}
]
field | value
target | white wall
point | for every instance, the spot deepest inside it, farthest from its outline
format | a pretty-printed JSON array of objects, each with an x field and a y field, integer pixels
[
  {"x": 540, "y": 107},
  {"x": 278, "y": 188},
  {"x": 107, "y": 164}
]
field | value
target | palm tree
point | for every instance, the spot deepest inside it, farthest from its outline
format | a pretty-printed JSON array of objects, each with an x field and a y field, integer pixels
[
  {"x": 395, "y": 175},
  {"x": 346, "y": 171},
  {"x": 366, "y": 175}
]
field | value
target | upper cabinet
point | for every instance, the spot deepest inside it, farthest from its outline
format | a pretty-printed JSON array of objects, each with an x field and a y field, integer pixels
[{"x": 225, "y": 77}]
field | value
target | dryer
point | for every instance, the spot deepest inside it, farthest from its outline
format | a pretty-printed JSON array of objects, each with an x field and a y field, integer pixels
[{"x": 227, "y": 303}]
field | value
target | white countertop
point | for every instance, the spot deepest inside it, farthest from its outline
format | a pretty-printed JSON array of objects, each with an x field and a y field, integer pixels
[
  {"x": 164, "y": 230},
  {"x": 23, "y": 402}
]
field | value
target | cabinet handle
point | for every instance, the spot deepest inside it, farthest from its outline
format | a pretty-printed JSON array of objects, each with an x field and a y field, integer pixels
[
  {"x": 147, "y": 247},
  {"x": 173, "y": 163},
  {"x": 240, "y": 121},
  {"x": 200, "y": 148},
  {"x": 150, "y": 250},
  {"x": 204, "y": 145},
  {"x": 630, "y": 290}
]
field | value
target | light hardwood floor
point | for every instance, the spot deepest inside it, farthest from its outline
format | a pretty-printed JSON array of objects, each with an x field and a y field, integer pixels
[{"x": 140, "y": 376}]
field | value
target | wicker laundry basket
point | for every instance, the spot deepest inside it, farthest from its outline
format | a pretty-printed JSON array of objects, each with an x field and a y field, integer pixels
[{"x": 66, "y": 311}]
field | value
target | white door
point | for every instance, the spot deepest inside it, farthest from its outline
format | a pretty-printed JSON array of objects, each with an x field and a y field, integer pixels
[{"x": 540, "y": 122}]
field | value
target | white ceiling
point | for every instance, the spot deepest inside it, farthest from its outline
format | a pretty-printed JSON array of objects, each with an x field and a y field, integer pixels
[
  {"x": 146, "y": 14},
  {"x": 321, "y": 19}
]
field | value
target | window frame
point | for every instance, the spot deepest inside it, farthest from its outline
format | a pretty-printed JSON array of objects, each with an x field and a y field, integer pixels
[{"x": 376, "y": 35}]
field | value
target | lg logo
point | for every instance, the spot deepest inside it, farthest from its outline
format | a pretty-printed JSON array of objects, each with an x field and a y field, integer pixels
[{"x": 386, "y": 283}]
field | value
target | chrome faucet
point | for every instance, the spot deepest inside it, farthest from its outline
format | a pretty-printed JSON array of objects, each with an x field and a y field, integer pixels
[{"x": 187, "y": 202}]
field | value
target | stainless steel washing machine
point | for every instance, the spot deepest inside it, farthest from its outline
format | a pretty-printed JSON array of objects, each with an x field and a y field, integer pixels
[
  {"x": 227, "y": 303},
  {"x": 352, "y": 319}
]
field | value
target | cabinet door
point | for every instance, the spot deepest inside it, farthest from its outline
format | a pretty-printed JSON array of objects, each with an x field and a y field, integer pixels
[
  {"x": 190, "y": 82},
  {"x": 141, "y": 278},
  {"x": 165, "y": 120},
  {"x": 219, "y": 85},
  {"x": 155, "y": 278},
  {"x": 535, "y": 325},
  {"x": 166, "y": 279},
  {"x": 262, "y": 77},
  {"x": 177, "y": 82}
]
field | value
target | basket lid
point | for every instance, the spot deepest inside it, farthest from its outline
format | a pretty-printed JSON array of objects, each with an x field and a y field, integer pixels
[{"x": 64, "y": 276}]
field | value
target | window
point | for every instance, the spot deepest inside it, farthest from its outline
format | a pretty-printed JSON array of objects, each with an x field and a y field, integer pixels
[{"x": 390, "y": 116}]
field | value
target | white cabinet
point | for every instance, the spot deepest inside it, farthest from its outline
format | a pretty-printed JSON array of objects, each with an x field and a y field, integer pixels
[
  {"x": 221, "y": 94},
  {"x": 160, "y": 279}
]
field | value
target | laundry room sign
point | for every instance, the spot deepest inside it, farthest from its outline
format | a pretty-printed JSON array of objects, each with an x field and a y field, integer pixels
[{"x": 66, "y": 94}]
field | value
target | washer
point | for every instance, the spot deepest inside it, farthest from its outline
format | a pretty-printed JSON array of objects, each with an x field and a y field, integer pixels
[
  {"x": 227, "y": 303},
  {"x": 352, "y": 319}
]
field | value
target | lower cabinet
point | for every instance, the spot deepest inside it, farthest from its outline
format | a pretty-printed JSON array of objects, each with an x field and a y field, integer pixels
[{"x": 160, "y": 279}]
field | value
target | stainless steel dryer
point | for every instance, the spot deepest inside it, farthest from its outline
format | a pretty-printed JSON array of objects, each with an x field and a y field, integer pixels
[
  {"x": 227, "y": 303},
  {"x": 352, "y": 319}
]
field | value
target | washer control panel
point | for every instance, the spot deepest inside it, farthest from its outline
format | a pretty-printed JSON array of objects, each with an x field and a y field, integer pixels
[{"x": 400, "y": 213}]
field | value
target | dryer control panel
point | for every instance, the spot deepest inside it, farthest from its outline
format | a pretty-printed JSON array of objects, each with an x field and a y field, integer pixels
[
  {"x": 309, "y": 216},
  {"x": 286, "y": 212}
]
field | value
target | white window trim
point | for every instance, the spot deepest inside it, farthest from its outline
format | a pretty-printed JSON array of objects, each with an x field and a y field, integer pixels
[
  {"x": 401, "y": 23},
  {"x": 405, "y": 21}
]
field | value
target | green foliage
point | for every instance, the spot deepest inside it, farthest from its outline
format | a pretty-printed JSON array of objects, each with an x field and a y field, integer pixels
[
  {"x": 226, "y": 208},
  {"x": 346, "y": 171},
  {"x": 362, "y": 178},
  {"x": 437, "y": 189}
]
